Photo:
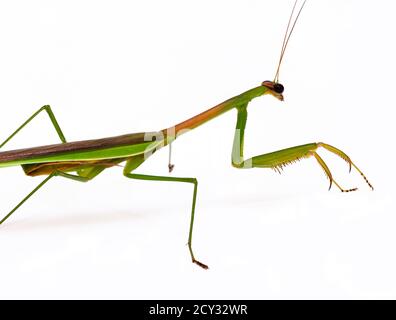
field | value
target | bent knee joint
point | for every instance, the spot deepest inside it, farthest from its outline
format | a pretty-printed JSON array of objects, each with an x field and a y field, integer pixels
[{"x": 246, "y": 164}]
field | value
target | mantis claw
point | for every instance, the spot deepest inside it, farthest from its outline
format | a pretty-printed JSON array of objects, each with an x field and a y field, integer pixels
[
  {"x": 327, "y": 170},
  {"x": 349, "y": 190},
  {"x": 343, "y": 156},
  {"x": 202, "y": 265}
]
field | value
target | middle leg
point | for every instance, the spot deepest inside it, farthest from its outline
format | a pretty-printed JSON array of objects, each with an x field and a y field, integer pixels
[{"x": 127, "y": 173}]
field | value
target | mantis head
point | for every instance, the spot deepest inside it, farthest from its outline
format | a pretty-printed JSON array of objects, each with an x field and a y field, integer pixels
[{"x": 274, "y": 88}]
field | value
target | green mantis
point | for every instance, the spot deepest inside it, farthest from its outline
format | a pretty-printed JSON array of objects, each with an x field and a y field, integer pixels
[{"x": 82, "y": 161}]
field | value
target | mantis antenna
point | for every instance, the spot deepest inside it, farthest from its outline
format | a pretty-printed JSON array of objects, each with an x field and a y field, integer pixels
[{"x": 287, "y": 37}]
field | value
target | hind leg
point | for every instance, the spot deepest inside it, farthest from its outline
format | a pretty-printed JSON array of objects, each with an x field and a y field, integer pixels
[
  {"x": 51, "y": 115},
  {"x": 79, "y": 178}
]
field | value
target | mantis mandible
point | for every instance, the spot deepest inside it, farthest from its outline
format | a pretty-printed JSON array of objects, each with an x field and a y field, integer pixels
[{"x": 83, "y": 160}]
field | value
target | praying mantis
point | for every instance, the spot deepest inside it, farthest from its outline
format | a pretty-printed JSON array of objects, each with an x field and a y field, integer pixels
[{"x": 82, "y": 161}]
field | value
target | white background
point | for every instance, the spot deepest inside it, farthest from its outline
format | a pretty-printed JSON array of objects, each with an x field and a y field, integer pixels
[{"x": 115, "y": 67}]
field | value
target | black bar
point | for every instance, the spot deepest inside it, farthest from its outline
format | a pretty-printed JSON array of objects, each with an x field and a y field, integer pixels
[{"x": 199, "y": 309}]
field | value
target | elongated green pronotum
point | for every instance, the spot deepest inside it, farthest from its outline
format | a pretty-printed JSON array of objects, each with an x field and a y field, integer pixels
[{"x": 84, "y": 160}]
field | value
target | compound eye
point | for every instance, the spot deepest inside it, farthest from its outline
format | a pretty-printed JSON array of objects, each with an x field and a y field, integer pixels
[{"x": 278, "y": 88}]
